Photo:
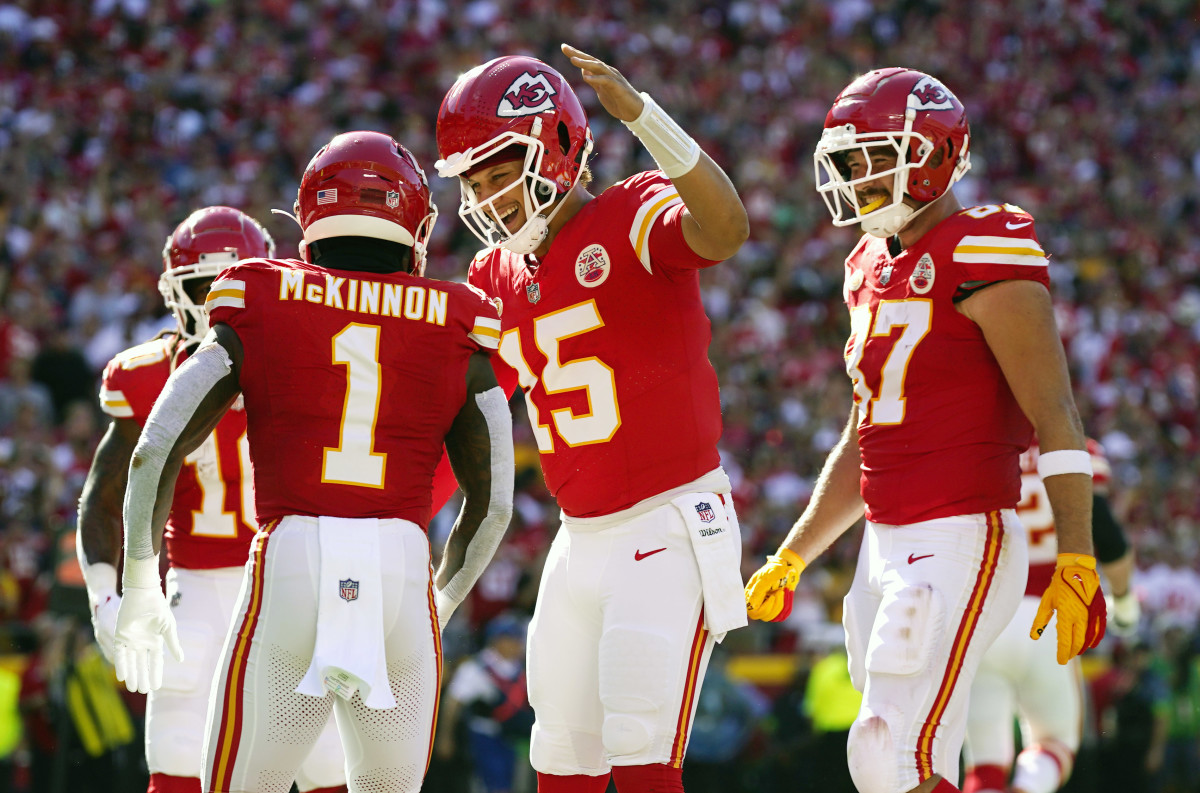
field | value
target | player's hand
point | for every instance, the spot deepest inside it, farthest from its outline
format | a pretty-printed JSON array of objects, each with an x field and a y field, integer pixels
[
  {"x": 1126, "y": 614},
  {"x": 769, "y": 592},
  {"x": 1074, "y": 593},
  {"x": 144, "y": 621},
  {"x": 444, "y": 608},
  {"x": 612, "y": 89},
  {"x": 104, "y": 623}
]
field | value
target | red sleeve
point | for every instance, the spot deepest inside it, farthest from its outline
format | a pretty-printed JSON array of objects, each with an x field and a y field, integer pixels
[
  {"x": 668, "y": 247},
  {"x": 999, "y": 244},
  {"x": 656, "y": 226},
  {"x": 133, "y": 380}
]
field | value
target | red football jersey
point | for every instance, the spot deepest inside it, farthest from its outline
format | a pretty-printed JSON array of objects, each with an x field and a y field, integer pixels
[
  {"x": 211, "y": 522},
  {"x": 939, "y": 429},
  {"x": 609, "y": 341},
  {"x": 1038, "y": 518},
  {"x": 351, "y": 382}
]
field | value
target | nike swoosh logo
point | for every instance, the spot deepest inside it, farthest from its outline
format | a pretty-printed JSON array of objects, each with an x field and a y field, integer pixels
[
  {"x": 912, "y": 558},
  {"x": 1015, "y": 226},
  {"x": 639, "y": 556}
]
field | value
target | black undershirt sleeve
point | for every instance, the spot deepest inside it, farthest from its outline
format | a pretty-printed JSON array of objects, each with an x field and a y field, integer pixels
[{"x": 1107, "y": 535}]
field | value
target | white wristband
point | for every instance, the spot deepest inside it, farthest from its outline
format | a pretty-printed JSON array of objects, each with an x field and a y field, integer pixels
[
  {"x": 1064, "y": 461},
  {"x": 675, "y": 151},
  {"x": 141, "y": 573}
]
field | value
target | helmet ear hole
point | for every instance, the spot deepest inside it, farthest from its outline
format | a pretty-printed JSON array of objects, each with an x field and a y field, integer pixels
[{"x": 564, "y": 138}]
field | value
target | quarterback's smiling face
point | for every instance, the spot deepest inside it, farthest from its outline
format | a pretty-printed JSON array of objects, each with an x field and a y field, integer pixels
[
  {"x": 509, "y": 208},
  {"x": 876, "y": 192}
]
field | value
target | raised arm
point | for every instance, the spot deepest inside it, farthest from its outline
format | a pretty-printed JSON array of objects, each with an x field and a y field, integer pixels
[
  {"x": 715, "y": 223},
  {"x": 480, "y": 448},
  {"x": 192, "y": 402}
]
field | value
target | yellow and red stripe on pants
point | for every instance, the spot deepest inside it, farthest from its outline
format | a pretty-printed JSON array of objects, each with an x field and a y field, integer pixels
[
  {"x": 690, "y": 691},
  {"x": 992, "y": 544}
]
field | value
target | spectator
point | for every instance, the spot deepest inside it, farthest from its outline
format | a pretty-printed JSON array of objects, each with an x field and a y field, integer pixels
[
  {"x": 486, "y": 704},
  {"x": 65, "y": 373}
]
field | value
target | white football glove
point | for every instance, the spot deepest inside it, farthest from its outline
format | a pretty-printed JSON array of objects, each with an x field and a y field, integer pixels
[
  {"x": 445, "y": 608},
  {"x": 144, "y": 620},
  {"x": 104, "y": 623},
  {"x": 101, "y": 582},
  {"x": 1124, "y": 615}
]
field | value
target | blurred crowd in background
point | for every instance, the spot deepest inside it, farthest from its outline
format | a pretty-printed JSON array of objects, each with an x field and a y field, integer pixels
[{"x": 120, "y": 117}]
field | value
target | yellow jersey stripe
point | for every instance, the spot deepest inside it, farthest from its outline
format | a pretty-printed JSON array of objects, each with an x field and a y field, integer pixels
[
  {"x": 639, "y": 233},
  {"x": 220, "y": 302}
]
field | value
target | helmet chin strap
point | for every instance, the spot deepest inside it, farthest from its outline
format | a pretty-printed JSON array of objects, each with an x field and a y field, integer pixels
[
  {"x": 534, "y": 232},
  {"x": 884, "y": 223}
]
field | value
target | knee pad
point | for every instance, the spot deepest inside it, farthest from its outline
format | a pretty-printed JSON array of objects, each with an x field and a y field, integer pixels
[
  {"x": 562, "y": 752},
  {"x": 907, "y": 628},
  {"x": 633, "y": 686},
  {"x": 1043, "y": 767},
  {"x": 870, "y": 754},
  {"x": 175, "y": 731},
  {"x": 625, "y": 734}
]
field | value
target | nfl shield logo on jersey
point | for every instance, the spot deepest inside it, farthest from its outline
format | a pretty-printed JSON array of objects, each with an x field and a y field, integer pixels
[
  {"x": 348, "y": 589},
  {"x": 533, "y": 292},
  {"x": 705, "y": 511}
]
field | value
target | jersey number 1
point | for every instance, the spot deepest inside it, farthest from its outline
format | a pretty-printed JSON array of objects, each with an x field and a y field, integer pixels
[{"x": 354, "y": 461}]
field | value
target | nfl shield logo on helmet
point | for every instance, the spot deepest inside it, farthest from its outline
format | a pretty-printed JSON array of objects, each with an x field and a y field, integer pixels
[
  {"x": 393, "y": 197},
  {"x": 705, "y": 511},
  {"x": 348, "y": 589}
]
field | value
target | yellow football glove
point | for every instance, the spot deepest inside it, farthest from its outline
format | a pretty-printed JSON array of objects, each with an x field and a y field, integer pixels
[
  {"x": 769, "y": 592},
  {"x": 1074, "y": 593}
]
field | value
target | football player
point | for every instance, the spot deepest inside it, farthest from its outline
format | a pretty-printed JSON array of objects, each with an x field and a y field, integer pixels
[
  {"x": 955, "y": 360},
  {"x": 355, "y": 370},
  {"x": 603, "y": 328},
  {"x": 211, "y": 521},
  {"x": 1020, "y": 678}
]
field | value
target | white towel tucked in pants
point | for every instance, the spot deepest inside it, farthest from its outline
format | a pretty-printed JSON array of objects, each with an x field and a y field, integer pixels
[{"x": 350, "y": 637}]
